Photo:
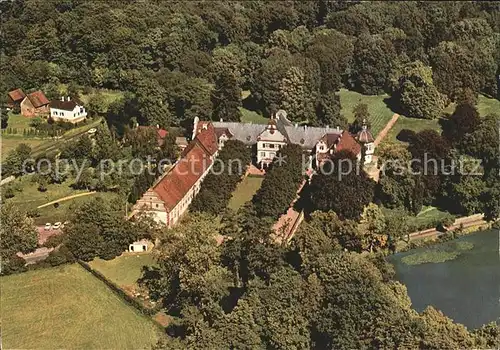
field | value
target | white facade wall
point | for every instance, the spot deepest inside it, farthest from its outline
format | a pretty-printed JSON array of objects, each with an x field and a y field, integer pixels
[
  {"x": 266, "y": 150},
  {"x": 152, "y": 205},
  {"x": 76, "y": 115},
  {"x": 369, "y": 150}
]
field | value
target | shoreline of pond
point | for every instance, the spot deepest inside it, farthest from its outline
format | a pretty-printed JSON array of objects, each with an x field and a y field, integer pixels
[
  {"x": 403, "y": 246},
  {"x": 466, "y": 288}
]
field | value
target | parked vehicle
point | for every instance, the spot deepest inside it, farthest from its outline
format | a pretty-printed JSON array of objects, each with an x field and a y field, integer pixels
[
  {"x": 57, "y": 226},
  {"x": 48, "y": 226},
  {"x": 92, "y": 131}
]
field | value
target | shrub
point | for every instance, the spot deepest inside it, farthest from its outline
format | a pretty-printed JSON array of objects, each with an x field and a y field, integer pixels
[
  {"x": 60, "y": 256},
  {"x": 406, "y": 135},
  {"x": 12, "y": 265},
  {"x": 33, "y": 213},
  {"x": 55, "y": 240},
  {"x": 8, "y": 192},
  {"x": 36, "y": 122}
]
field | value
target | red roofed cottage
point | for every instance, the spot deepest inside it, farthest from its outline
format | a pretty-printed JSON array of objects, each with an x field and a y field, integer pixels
[
  {"x": 35, "y": 104},
  {"x": 15, "y": 97}
]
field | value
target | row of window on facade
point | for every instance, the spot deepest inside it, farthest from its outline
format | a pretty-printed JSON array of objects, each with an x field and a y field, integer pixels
[
  {"x": 264, "y": 154},
  {"x": 61, "y": 114},
  {"x": 271, "y": 145}
]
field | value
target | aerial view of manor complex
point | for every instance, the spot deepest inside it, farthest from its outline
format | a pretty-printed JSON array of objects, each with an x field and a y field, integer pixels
[{"x": 315, "y": 174}]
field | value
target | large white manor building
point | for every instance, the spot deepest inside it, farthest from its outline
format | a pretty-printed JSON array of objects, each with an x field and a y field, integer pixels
[
  {"x": 169, "y": 198},
  {"x": 319, "y": 142}
]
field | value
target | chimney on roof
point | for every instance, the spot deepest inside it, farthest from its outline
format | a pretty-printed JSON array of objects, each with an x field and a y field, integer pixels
[
  {"x": 62, "y": 98},
  {"x": 338, "y": 128},
  {"x": 157, "y": 126},
  {"x": 221, "y": 120},
  {"x": 328, "y": 126},
  {"x": 305, "y": 127},
  {"x": 296, "y": 125},
  {"x": 69, "y": 98}
]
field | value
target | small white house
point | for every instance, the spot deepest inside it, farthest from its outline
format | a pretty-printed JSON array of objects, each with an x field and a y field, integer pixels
[
  {"x": 143, "y": 245},
  {"x": 68, "y": 110}
]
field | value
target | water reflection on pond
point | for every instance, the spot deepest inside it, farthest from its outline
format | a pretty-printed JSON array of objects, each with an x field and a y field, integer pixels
[{"x": 466, "y": 288}]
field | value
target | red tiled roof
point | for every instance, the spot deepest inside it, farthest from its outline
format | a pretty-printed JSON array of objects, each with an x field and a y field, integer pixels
[
  {"x": 347, "y": 142},
  {"x": 160, "y": 133},
  {"x": 221, "y": 131},
  {"x": 17, "y": 95},
  {"x": 179, "y": 180},
  {"x": 38, "y": 99},
  {"x": 208, "y": 139},
  {"x": 330, "y": 139}
]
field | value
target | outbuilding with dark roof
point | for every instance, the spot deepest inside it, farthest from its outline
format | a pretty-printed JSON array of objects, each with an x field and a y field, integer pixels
[{"x": 35, "y": 104}]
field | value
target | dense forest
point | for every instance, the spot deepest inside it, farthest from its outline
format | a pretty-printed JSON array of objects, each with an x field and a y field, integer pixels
[
  {"x": 330, "y": 288},
  {"x": 186, "y": 59}
]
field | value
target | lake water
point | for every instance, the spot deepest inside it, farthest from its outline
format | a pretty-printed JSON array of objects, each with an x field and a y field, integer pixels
[{"x": 466, "y": 289}]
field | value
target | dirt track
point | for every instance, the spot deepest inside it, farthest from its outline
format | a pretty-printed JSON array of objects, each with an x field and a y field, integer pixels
[
  {"x": 382, "y": 134},
  {"x": 66, "y": 199}
]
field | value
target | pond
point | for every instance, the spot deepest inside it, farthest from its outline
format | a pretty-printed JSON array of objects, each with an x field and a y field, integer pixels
[{"x": 465, "y": 287}]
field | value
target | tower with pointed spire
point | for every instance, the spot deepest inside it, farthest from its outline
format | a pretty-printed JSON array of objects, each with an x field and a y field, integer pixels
[{"x": 365, "y": 138}]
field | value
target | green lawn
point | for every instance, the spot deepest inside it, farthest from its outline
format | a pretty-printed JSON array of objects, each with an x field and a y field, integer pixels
[
  {"x": 10, "y": 142},
  {"x": 39, "y": 145},
  {"x": 245, "y": 191},
  {"x": 427, "y": 216},
  {"x": 124, "y": 270},
  {"x": 65, "y": 209},
  {"x": 29, "y": 197},
  {"x": 248, "y": 116},
  {"x": 67, "y": 307},
  {"x": 485, "y": 106},
  {"x": 412, "y": 124},
  {"x": 19, "y": 122},
  {"x": 380, "y": 113}
]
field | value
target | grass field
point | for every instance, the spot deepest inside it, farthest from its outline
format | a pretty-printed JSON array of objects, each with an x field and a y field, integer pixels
[
  {"x": 67, "y": 307},
  {"x": 412, "y": 124},
  {"x": 29, "y": 197},
  {"x": 245, "y": 191},
  {"x": 380, "y": 113},
  {"x": 65, "y": 209},
  {"x": 427, "y": 216},
  {"x": 10, "y": 142},
  {"x": 485, "y": 106},
  {"x": 248, "y": 116},
  {"x": 19, "y": 122},
  {"x": 39, "y": 145},
  {"x": 124, "y": 270}
]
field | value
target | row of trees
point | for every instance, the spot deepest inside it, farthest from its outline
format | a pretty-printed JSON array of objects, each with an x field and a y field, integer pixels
[
  {"x": 182, "y": 60},
  {"x": 251, "y": 293},
  {"x": 281, "y": 183},
  {"x": 218, "y": 186},
  {"x": 457, "y": 170}
]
